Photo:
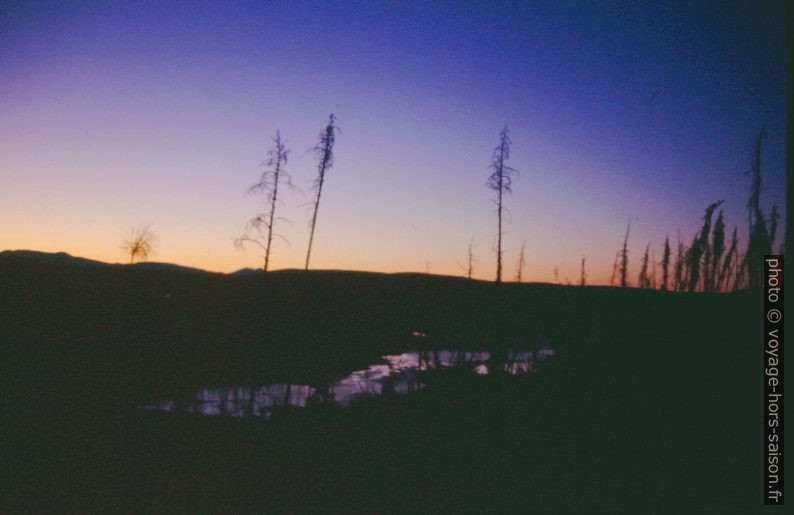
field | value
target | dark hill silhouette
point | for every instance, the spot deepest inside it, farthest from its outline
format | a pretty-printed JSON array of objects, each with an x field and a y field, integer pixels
[
  {"x": 247, "y": 271},
  {"x": 650, "y": 404},
  {"x": 23, "y": 256},
  {"x": 153, "y": 265}
]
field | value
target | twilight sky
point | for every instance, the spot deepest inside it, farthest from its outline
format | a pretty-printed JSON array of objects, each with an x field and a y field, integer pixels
[{"x": 114, "y": 114}]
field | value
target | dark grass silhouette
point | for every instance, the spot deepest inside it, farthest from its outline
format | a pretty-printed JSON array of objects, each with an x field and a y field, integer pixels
[
  {"x": 139, "y": 243},
  {"x": 648, "y": 405}
]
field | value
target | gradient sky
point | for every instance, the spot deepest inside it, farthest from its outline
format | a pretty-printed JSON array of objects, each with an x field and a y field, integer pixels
[{"x": 114, "y": 114}]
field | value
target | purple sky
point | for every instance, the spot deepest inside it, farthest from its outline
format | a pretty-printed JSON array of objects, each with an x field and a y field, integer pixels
[{"x": 114, "y": 114}]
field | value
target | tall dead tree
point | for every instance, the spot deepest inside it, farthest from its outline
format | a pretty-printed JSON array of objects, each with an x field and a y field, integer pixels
[
  {"x": 759, "y": 243},
  {"x": 259, "y": 230},
  {"x": 323, "y": 151},
  {"x": 501, "y": 180}
]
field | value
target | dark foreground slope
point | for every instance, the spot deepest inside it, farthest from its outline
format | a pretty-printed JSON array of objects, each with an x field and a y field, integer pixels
[{"x": 651, "y": 403}]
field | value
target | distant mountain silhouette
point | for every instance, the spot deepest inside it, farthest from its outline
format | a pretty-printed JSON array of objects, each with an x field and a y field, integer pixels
[
  {"x": 62, "y": 258},
  {"x": 49, "y": 257},
  {"x": 247, "y": 271}
]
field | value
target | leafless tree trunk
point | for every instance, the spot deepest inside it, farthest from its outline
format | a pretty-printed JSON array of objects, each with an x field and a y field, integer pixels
[
  {"x": 500, "y": 181},
  {"x": 268, "y": 183},
  {"x": 324, "y": 153}
]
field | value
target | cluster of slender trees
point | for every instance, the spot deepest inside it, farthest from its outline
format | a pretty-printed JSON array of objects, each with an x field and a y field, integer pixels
[
  {"x": 260, "y": 230},
  {"x": 711, "y": 263}
]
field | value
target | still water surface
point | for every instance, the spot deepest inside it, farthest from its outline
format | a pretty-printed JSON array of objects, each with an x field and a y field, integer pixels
[{"x": 396, "y": 374}]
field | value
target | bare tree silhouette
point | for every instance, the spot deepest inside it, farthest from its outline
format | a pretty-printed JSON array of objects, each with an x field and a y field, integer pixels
[
  {"x": 615, "y": 265},
  {"x": 700, "y": 250},
  {"x": 324, "y": 153},
  {"x": 773, "y": 222},
  {"x": 714, "y": 257},
  {"x": 653, "y": 270},
  {"x": 500, "y": 181},
  {"x": 139, "y": 243},
  {"x": 725, "y": 275},
  {"x": 759, "y": 242},
  {"x": 521, "y": 263},
  {"x": 773, "y": 226},
  {"x": 739, "y": 271},
  {"x": 680, "y": 264},
  {"x": 623, "y": 257},
  {"x": 708, "y": 264},
  {"x": 263, "y": 223},
  {"x": 471, "y": 260},
  {"x": 665, "y": 264},
  {"x": 644, "y": 280}
]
